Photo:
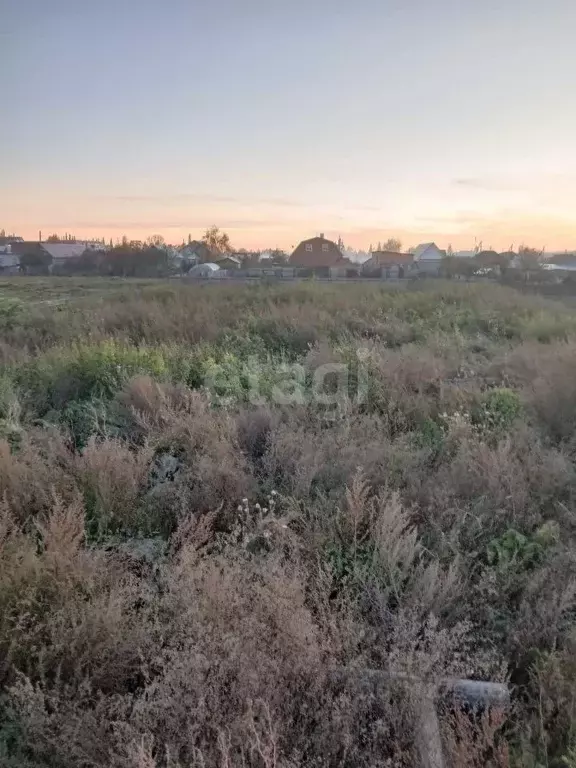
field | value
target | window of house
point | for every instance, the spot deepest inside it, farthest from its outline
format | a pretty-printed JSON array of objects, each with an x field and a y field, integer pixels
[
  {"x": 309, "y": 247},
  {"x": 325, "y": 247}
]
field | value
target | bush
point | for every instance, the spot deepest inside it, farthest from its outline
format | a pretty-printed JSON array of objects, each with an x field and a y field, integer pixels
[
  {"x": 498, "y": 410},
  {"x": 113, "y": 479},
  {"x": 85, "y": 371}
]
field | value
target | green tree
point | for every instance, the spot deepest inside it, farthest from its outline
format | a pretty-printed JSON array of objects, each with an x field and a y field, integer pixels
[
  {"x": 217, "y": 241},
  {"x": 278, "y": 256},
  {"x": 452, "y": 266},
  {"x": 133, "y": 259},
  {"x": 35, "y": 262}
]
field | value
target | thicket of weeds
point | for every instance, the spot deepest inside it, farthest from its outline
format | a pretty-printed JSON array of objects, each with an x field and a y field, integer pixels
[{"x": 184, "y": 568}]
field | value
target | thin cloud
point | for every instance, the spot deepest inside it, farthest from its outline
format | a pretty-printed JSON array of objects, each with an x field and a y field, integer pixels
[
  {"x": 468, "y": 182},
  {"x": 457, "y": 218},
  {"x": 490, "y": 185},
  {"x": 204, "y": 198},
  {"x": 197, "y": 197},
  {"x": 191, "y": 223},
  {"x": 517, "y": 182}
]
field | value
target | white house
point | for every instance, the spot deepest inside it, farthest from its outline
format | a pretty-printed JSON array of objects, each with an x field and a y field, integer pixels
[
  {"x": 9, "y": 262},
  {"x": 204, "y": 271},
  {"x": 428, "y": 258}
]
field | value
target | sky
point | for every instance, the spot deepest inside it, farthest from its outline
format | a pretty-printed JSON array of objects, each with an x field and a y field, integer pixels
[{"x": 444, "y": 120}]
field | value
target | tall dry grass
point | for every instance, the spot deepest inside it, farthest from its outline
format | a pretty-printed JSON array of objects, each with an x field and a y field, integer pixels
[{"x": 180, "y": 578}]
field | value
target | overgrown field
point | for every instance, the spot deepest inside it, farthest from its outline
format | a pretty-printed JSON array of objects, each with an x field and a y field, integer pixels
[{"x": 213, "y": 497}]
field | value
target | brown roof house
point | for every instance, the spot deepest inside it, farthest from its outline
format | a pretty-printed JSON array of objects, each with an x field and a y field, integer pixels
[
  {"x": 317, "y": 252},
  {"x": 392, "y": 262}
]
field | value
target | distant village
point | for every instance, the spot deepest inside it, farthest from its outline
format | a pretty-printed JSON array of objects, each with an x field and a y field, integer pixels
[{"x": 213, "y": 257}]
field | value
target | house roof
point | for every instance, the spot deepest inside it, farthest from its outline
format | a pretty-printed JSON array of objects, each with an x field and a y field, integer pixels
[
  {"x": 198, "y": 269},
  {"x": 24, "y": 246},
  {"x": 228, "y": 257},
  {"x": 564, "y": 267},
  {"x": 382, "y": 258},
  {"x": 566, "y": 257},
  {"x": 317, "y": 252},
  {"x": 464, "y": 254},
  {"x": 195, "y": 246},
  {"x": 10, "y": 239},
  {"x": 421, "y": 249},
  {"x": 60, "y": 251}
]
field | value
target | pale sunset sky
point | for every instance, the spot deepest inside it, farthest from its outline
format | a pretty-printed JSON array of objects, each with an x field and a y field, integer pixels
[{"x": 443, "y": 120}]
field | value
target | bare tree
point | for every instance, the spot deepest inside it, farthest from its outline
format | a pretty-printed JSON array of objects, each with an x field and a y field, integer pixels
[
  {"x": 392, "y": 244},
  {"x": 217, "y": 241},
  {"x": 530, "y": 258},
  {"x": 55, "y": 238},
  {"x": 156, "y": 240}
]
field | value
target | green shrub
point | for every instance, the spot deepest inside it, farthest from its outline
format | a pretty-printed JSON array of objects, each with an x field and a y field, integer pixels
[
  {"x": 498, "y": 410},
  {"x": 84, "y": 419},
  {"x": 281, "y": 338},
  {"x": 514, "y": 550},
  {"x": 429, "y": 435},
  {"x": 85, "y": 371},
  {"x": 11, "y": 312}
]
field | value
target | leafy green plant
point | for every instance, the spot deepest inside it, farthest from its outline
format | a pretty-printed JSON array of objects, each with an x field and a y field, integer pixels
[
  {"x": 86, "y": 419},
  {"x": 84, "y": 371},
  {"x": 514, "y": 550},
  {"x": 498, "y": 410},
  {"x": 429, "y": 435}
]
